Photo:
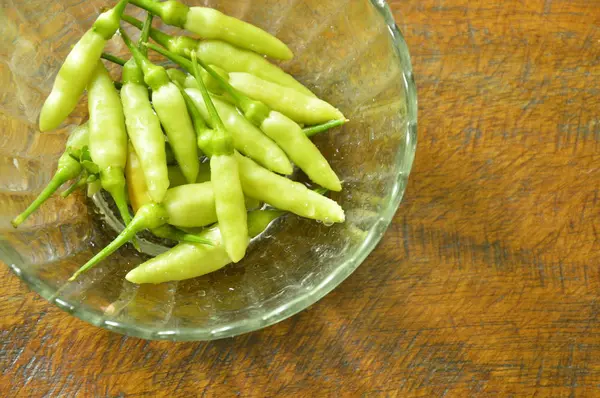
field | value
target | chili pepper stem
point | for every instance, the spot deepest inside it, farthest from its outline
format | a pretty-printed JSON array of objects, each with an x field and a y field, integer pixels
[
  {"x": 145, "y": 34},
  {"x": 58, "y": 179},
  {"x": 217, "y": 123},
  {"x": 75, "y": 186},
  {"x": 113, "y": 58},
  {"x": 147, "y": 217},
  {"x": 170, "y": 232},
  {"x": 320, "y": 128}
]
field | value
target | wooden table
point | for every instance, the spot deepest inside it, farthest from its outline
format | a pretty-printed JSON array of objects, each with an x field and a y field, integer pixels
[{"x": 487, "y": 282}]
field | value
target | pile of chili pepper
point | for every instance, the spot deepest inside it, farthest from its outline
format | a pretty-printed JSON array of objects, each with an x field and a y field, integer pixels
[{"x": 201, "y": 154}]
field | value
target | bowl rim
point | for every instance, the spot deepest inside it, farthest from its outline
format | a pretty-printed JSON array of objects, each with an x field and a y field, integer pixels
[{"x": 303, "y": 301}]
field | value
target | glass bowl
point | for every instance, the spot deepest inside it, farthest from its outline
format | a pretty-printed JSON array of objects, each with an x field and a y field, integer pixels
[{"x": 349, "y": 52}]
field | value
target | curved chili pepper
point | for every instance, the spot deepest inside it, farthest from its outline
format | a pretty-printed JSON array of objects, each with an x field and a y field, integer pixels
[
  {"x": 229, "y": 197},
  {"x": 68, "y": 169},
  {"x": 186, "y": 260},
  {"x": 284, "y": 131},
  {"x": 78, "y": 68},
  {"x": 108, "y": 136},
  {"x": 268, "y": 187},
  {"x": 297, "y": 106},
  {"x": 190, "y": 205},
  {"x": 171, "y": 110},
  {"x": 224, "y": 55},
  {"x": 144, "y": 130},
  {"x": 213, "y": 24}
]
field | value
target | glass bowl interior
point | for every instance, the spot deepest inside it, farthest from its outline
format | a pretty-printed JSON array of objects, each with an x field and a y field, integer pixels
[{"x": 348, "y": 52}]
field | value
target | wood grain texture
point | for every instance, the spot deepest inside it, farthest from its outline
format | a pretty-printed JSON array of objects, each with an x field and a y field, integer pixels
[{"x": 486, "y": 284}]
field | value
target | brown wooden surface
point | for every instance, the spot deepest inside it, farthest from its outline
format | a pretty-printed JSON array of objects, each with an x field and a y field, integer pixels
[{"x": 486, "y": 284}]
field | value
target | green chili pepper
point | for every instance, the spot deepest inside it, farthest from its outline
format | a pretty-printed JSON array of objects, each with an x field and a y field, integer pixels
[
  {"x": 285, "y": 194},
  {"x": 186, "y": 261},
  {"x": 229, "y": 197},
  {"x": 188, "y": 206},
  {"x": 177, "y": 179},
  {"x": 229, "y": 58},
  {"x": 144, "y": 130},
  {"x": 284, "y": 131},
  {"x": 297, "y": 106},
  {"x": 68, "y": 169},
  {"x": 171, "y": 110},
  {"x": 212, "y": 24},
  {"x": 138, "y": 193},
  {"x": 191, "y": 205},
  {"x": 78, "y": 68},
  {"x": 108, "y": 137},
  {"x": 301, "y": 150}
]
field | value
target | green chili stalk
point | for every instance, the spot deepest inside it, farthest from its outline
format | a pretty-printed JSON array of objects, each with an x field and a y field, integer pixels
[
  {"x": 80, "y": 183},
  {"x": 320, "y": 128},
  {"x": 68, "y": 169},
  {"x": 113, "y": 58},
  {"x": 170, "y": 232},
  {"x": 145, "y": 33}
]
